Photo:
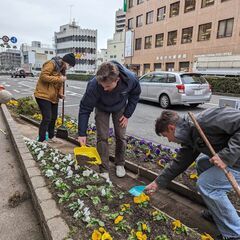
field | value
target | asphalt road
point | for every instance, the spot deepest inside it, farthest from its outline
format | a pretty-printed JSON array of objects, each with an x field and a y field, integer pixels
[{"x": 141, "y": 124}]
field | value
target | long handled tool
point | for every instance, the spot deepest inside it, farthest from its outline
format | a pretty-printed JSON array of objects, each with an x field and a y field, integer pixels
[
  {"x": 228, "y": 174},
  {"x": 62, "y": 131}
]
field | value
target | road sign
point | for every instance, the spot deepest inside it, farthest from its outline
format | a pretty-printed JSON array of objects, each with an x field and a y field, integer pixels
[
  {"x": 13, "y": 39},
  {"x": 5, "y": 38}
]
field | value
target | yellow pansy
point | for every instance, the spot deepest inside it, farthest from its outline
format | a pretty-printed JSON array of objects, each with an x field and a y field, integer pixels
[
  {"x": 96, "y": 235},
  {"x": 118, "y": 219},
  {"x": 106, "y": 236},
  {"x": 206, "y": 236},
  {"x": 125, "y": 207},
  {"x": 144, "y": 226},
  {"x": 101, "y": 230},
  {"x": 176, "y": 224},
  {"x": 12, "y": 103},
  {"x": 148, "y": 152},
  {"x": 141, "y": 236},
  {"x": 193, "y": 176},
  {"x": 141, "y": 198}
]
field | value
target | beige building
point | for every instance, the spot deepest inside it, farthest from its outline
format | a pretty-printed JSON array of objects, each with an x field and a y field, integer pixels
[{"x": 171, "y": 35}]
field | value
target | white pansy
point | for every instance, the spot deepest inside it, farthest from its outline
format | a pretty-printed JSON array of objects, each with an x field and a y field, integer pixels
[
  {"x": 49, "y": 173},
  {"x": 40, "y": 155},
  {"x": 56, "y": 166},
  {"x": 77, "y": 214},
  {"x": 95, "y": 175},
  {"x": 70, "y": 173},
  {"x": 103, "y": 192},
  {"x": 43, "y": 162},
  {"x": 87, "y": 173},
  {"x": 80, "y": 204},
  {"x": 109, "y": 182},
  {"x": 76, "y": 167}
]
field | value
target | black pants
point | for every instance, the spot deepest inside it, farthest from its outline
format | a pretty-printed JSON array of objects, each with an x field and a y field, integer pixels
[{"x": 49, "y": 112}]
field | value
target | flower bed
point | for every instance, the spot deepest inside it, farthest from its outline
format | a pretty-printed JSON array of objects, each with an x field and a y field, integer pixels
[
  {"x": 96, "y": 209},
  {"x": 142, "y": 153}
]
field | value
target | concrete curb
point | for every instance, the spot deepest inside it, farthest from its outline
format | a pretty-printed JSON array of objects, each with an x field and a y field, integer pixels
[{"x": 53, "y": 225}]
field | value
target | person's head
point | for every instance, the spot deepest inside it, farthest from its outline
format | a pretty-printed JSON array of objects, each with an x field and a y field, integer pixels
[
  {"x": 69, "y": 60},
  {"x": 166, "y": 124},
  {"x": 108, "y": 76}
]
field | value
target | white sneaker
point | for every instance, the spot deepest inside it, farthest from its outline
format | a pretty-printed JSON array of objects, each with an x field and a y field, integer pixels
[
  {"x": 104, "y": 175},
  {"x": 120, "y": 171}
]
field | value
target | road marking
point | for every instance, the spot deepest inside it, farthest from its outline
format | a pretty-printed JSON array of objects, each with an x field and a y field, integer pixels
[
  {"x": 7, "y": 85},
  {"x": 214, "y": 104},
  {"x": 76, "y": 87},
  {"x": 16, "y": 91},
  {"x": 72, "y": 105}
]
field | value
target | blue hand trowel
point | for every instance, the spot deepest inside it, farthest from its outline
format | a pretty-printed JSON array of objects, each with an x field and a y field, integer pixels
[{"x": 137, "y": 190}]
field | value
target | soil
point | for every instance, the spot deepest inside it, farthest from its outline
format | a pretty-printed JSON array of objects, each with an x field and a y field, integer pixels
[{"x": 17, "y": 198}]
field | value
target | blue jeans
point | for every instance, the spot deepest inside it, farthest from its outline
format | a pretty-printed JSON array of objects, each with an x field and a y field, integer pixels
[{"x": 213, "y": 186}]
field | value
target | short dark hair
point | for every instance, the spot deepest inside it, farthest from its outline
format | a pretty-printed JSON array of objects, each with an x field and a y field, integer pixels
[
  {"x": 167, "y": 117},
  {"x": 107, "y": 72}
]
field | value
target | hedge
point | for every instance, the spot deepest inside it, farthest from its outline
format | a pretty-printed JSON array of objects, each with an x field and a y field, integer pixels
[
  {"x": 80, "y": 77},
  {"x": 229, "y": 85}
]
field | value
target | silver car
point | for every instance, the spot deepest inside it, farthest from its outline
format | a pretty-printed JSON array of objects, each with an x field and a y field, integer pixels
[{"x": 172, "y": 88}]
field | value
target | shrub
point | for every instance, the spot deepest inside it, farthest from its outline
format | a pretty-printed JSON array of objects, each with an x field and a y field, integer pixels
[
  {"x": 80, "y": 77},
  {"x": 27, "y": 106},
  {"x": 224, "y": 84}
]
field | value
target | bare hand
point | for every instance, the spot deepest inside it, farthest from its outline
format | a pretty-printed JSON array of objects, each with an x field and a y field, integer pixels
[
  {"x": 123, "y": 121},
  {"x": 218, "y": 162},
  {"x": 82, "y": 140},
  {"x": 151, "y": 188},
  {"x": 61, "y": 96},
  {"x": 63, "y": 78}
]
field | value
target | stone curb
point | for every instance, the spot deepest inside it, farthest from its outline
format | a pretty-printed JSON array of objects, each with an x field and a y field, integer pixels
[{"x": 53, "y": 225}]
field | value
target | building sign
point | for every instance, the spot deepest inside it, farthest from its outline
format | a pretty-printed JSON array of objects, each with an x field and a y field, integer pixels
[{"x": 128, "y": 51}]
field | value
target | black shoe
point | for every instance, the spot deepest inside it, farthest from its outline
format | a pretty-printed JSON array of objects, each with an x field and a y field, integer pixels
[
  {"x": 207, "y": 215},
  {"x": 220, "y": 237}
]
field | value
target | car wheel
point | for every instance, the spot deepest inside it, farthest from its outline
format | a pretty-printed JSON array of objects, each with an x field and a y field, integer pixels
[
  {"x": 194, "y": 105},
  {"x": 164, "y": 101}
]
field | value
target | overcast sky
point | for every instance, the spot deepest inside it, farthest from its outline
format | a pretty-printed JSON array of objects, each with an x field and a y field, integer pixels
[{"x": 30, "y": 20}]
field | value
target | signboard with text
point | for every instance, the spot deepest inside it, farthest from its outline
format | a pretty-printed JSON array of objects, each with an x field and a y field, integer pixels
[{"x": 128, "y": 51}]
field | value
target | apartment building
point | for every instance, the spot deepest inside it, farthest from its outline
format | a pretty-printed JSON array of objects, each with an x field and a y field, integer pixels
[
  {"x": 120, "y": 18},
  {"x": 170, "y": 35},
  {"x": 82, "y": 42}
]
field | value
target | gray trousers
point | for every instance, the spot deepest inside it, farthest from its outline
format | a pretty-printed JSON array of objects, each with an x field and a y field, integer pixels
[{"x": 102, "y": 125}]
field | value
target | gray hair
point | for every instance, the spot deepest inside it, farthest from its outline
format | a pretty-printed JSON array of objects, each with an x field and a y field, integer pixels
[
  {"x": 107, "y": 72},
  {"x": 167, "y": 117}
]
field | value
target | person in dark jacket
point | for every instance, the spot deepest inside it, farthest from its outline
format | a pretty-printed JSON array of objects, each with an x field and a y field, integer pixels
[
  {"x": 114, "y": 90},
  {"x": 49, "y": 90},
  {"x": 222, "y": 128}
]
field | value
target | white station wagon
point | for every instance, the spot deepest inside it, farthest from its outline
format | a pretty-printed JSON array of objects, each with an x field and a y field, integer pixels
[{"x": 173, "y": 88}]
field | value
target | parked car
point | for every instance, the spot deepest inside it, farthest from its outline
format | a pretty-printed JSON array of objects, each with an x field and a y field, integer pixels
[
  {"x": 173, "y": 88},
  {"x": 18, "y": 73}
]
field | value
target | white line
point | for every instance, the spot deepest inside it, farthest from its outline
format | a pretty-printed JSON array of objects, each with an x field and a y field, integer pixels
[
  {"x": 76, "y": 87},
  {"x": 16, "y": 91},
  {"x": 7, "y": 85},
  {"x": 214, "y": 104},
  {"x": 72, "y": 105}
]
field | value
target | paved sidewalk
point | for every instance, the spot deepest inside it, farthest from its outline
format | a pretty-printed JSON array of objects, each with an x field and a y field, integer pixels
[{"x": 19, "y": 223}]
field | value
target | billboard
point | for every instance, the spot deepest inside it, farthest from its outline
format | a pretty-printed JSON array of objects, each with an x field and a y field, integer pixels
[{"x": 128, "y": 51}]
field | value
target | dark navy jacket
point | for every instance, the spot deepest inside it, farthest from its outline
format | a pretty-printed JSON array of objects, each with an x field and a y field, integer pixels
[{"x": 126, "y": 94}]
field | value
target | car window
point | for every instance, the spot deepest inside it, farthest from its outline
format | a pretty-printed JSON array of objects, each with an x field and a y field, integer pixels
[
  {"x": 171, "y": 78},
  {"x": 146, "y": 78},
  {"x": 159, "y": 78},
  {"x": 193, "y": 79}
]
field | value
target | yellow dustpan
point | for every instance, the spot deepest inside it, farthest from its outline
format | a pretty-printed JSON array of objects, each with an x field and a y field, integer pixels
[{"x": 90, "y": 152}]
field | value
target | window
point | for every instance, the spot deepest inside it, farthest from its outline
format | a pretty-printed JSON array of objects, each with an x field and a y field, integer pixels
[
  {"x": 159, "y": 78},
  {"x": 149, "y": 17},
  {"x": 46, "y": 52},
  {"x": 139, "y": 1},
  {"x": 146, "y": 68},
  {"x": 130, "y": 23},
  {"x": 225, "y": 28},
  {"x": 159, "y": 40},
  {"x": 51, "y": 52},
  {"x": 161, "y": 13},
  {"x": 171, "y": 78},
  {"x": 148, "y": 42},
  {"x": 172, "y": 38},
  {"x": 157, "y": 66},
  {"x": 148, "y": 77},
  {"x": 189, "y": 5},
  {"x": 187, "y": 35},
  {"x": 139, "y": 21},
  {"x": 170, "y": 66},
  {"x": 204, "y": 32},
  {"x": 206, "y": 3},
  {"x": 174, "y": 9},
  {"x": 138, "y": 44},
  {"x": 130, "y": 3},
  {"x": 184, "y": 66}
]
